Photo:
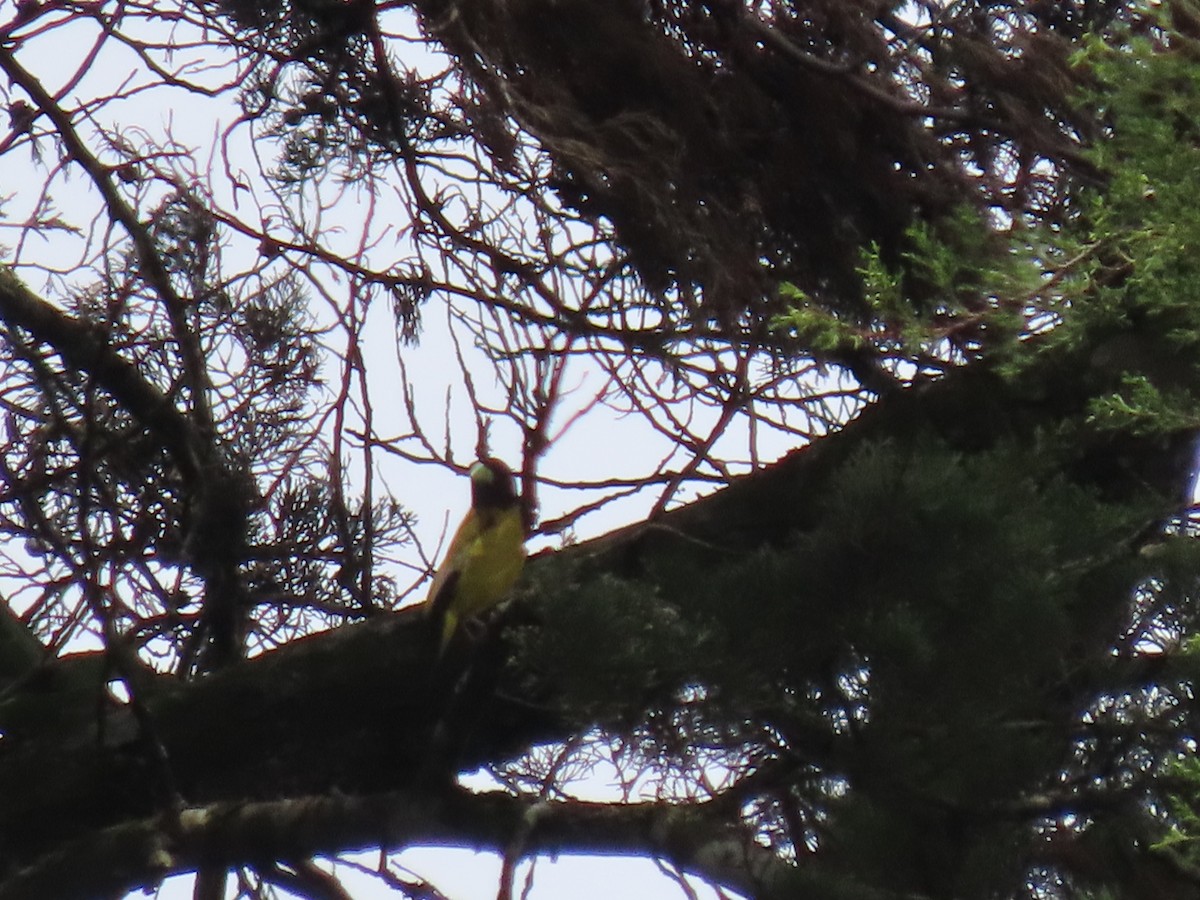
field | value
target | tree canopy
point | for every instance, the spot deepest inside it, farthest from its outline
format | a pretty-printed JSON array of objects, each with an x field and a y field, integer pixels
[{"x": 848, "y": 355}]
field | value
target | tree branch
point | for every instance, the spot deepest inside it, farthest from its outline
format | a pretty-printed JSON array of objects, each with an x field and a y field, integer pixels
[
  {"x": 85, "y": 349},
  {"x": 139, "y": 854}
]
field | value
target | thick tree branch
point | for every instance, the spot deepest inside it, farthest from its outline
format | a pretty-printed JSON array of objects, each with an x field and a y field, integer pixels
[{"x": 138, "y": 854}]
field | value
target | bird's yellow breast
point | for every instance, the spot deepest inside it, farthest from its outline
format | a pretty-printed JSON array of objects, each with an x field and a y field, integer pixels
[
  {"x": 484, "y": 561},
  {"x": 491, "y": 562}
]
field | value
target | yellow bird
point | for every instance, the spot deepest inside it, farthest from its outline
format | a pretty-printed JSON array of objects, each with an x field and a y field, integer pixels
[{"x": 486, "y": 555}]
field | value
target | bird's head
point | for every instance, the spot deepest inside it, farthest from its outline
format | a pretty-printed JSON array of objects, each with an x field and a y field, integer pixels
[{"x": 492, "y": 485}]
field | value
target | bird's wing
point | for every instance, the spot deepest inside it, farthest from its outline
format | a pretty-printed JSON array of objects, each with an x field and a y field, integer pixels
[{"x": 441, "y": 589}]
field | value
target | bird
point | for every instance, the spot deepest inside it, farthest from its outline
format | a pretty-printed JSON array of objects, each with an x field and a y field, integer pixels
[{"x": 486, "y": 555}]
